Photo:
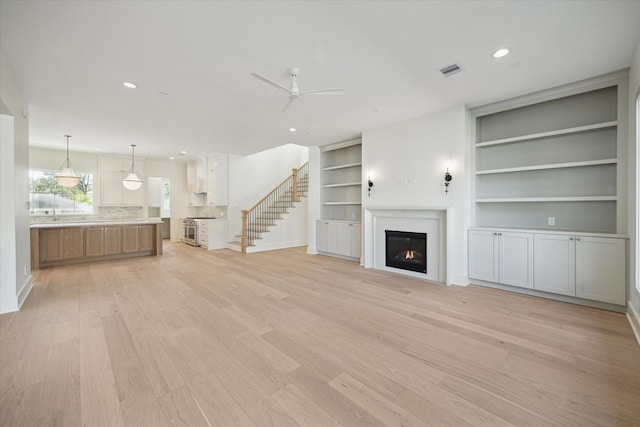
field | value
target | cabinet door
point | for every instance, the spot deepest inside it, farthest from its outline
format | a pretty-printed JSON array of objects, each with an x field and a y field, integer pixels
[
  {"x": 356, "y": 240},
  {"x": 94, "y": 241},
  {"x": 72, "y": 243},
  {"x": 600, "y": 269},
  {"x": 111, "y": 188},
  {"x": 515, "y": 260},
  {"x": 155, "y": 192},
  {"x": 339, "y": 238},
  {"x": 322, "y": 236},
  {"x": 483, "y": 255},
  {"x": 554, "y": 264},
  {"x": 145, "y": 238},
  {"x": 112, "y": 240},
  {"x": 130, "y": 238},
  {"x": 51, "y": 245}
]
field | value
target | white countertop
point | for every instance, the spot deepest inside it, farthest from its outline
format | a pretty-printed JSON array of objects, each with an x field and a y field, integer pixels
[{"x": 58, "y": 224}]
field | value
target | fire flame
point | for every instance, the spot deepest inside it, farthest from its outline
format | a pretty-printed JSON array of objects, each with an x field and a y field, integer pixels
[{"x": 409, "y": 255}]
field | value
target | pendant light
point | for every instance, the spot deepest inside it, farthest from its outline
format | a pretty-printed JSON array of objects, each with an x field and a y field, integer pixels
[
  {"x": 132, "y": 181},
  {"x": 66, "y": 176}
]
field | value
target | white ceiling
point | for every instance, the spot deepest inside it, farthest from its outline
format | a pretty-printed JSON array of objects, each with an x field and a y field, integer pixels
[{"x": 70, "y": 58}]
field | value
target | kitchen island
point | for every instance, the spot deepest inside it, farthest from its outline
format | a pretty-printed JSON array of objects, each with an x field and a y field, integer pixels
[{"x": 62, "y": 243}]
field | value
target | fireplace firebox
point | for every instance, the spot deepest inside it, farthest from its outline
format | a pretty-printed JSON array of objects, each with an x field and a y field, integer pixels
[{"x": 406, "y": 250}]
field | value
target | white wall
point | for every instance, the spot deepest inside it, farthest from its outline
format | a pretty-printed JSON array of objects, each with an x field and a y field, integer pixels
[
  {"x": 634, "y": 91},
  {"x": 16, "y": 279},
  {"x": 253, "y": 177},
  {"x": 407, "y": 162}
]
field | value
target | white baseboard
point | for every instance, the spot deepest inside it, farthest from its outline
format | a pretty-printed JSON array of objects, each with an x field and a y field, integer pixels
[
  {"x": 25, "y": 291},
  {"x": 276, "y": 245},
  {"x": 634, "y": 320},
  {"x": 459, "y": 280}
]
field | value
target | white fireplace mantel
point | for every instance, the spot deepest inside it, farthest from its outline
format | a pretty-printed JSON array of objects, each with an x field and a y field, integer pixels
[{"x": 432, "y": 220}]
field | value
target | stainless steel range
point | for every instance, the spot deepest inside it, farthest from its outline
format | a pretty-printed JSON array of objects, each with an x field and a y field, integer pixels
[{"x": 190, "y": 234}]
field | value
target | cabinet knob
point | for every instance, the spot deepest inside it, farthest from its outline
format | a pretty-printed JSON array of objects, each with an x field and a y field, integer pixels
[
  {"x": 570, "y": 238},
  {"x": 579, "y": 239}
]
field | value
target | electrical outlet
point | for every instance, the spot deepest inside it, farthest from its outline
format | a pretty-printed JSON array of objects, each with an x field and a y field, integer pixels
[{"x": 551, "y": 220}]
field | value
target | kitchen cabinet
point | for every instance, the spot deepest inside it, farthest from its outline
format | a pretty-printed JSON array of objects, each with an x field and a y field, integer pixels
[
  {"x": 62, "y": 244},
  {"x": 155, "y": 192},
  {"x": 501, "y": 257},
  {"x": 112, "y": 172},
  {"x": 196, "y": 176},
  {"x": 217, "y": 179},
  {"x": 101, "y": 241},
  {"x": 582, "y": 266},
  {"x": 137, "y": 238},
  {"x": 212, "y": 233},
  {"x": 341, "y": 238},
  {"x": 71, "y": 244}
]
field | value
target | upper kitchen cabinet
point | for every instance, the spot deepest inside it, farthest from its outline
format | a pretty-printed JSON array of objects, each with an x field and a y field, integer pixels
[
  {"x": 217, "y": 179},
  {"x": 197, "y": 175},
  {"x": 112, "y": 172}
]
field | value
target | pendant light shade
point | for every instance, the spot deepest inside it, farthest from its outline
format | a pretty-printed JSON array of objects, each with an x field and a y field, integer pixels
[
  {"x": 66, "y": 176},
  {"x": 132, "y": 181}
]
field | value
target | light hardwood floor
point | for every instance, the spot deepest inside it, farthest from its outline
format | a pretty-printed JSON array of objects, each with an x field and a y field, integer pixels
[{"x": 282, "y": 338}]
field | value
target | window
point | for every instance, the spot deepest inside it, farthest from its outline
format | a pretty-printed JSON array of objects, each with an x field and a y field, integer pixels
[{"x": 47, "y": 197}]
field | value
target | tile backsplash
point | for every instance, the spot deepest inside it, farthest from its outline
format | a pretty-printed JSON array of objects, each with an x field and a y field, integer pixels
[{"x": 103, "y": 213}]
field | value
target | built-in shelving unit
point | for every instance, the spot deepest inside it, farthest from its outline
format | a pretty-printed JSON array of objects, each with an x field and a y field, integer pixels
[
  {"x": 341, "y": 186},
  {"x": 553, "y": 159}
]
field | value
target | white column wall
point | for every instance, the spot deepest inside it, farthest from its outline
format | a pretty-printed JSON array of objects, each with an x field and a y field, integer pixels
[
  {"x": 15, "y": 193},
  {"x": 407, "y": 163}
]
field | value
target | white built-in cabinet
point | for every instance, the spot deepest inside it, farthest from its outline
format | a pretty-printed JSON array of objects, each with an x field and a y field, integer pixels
[
  {"x": 339, "y": 231},
  {"x": 217, "y": 179},
  {"x": 551, "y": 167},
  {"x": 583, "y": 266},
  {"x": 155, "y": 192},
  {"x": 112, "y": 171},
  {"x": 197, "y": 175},
  {"x": 340, "y": 238},
  {"x": 341, "y": 181},
  {"x": 212, "y": 233},
  {"x": 501, "y": 257}
]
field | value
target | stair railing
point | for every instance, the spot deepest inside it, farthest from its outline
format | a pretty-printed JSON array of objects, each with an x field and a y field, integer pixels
[{"x": 264, "y": 213}]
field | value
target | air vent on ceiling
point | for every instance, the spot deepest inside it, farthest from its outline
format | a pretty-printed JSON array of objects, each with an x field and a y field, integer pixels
[{"x": 450, "y": 70}]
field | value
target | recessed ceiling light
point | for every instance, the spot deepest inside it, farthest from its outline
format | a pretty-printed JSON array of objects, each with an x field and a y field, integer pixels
[
  {"x": 98, "y": 149},
  {"x": 129, "y": 85},
  {"x": 183, "y": 153},
  {"x": 292, "y": 129},
  {"x": 172, "y": 158},
  {"x": 501, "y": 52}
]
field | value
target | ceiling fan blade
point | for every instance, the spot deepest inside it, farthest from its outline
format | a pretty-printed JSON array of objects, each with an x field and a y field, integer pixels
[
  {"x": 325, "y": 92},
  {"x": 271, "y": 82},
  {"x": 291, "y": 99}
]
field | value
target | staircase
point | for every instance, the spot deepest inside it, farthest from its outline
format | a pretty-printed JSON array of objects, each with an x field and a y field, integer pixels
[{"x": 266, "y": 214}]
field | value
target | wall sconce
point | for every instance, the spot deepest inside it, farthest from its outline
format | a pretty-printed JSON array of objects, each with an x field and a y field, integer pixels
[
  {"x": 370, "y": 185},
  {"x": 447, "y": 181}
]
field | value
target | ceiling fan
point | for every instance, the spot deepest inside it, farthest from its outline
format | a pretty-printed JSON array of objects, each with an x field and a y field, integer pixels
[{"x": 293, "y": 91}]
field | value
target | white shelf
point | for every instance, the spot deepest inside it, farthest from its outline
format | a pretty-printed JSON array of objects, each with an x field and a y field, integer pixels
[
  {"x": 342, "y": 203},
  {"x": 348, "y": 165},
  {"x": 548, "y": 134},
  {"x": 549, "y": 166},
  {"x": 342, "y": 184},
  {"x": 549, "y": 199}
]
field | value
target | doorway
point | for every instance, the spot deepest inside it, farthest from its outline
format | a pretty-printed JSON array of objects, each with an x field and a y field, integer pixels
[{"x": 160, "y": 202}]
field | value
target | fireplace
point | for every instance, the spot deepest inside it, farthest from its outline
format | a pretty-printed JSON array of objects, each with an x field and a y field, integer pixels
[{"x": 406, "y": 250}]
